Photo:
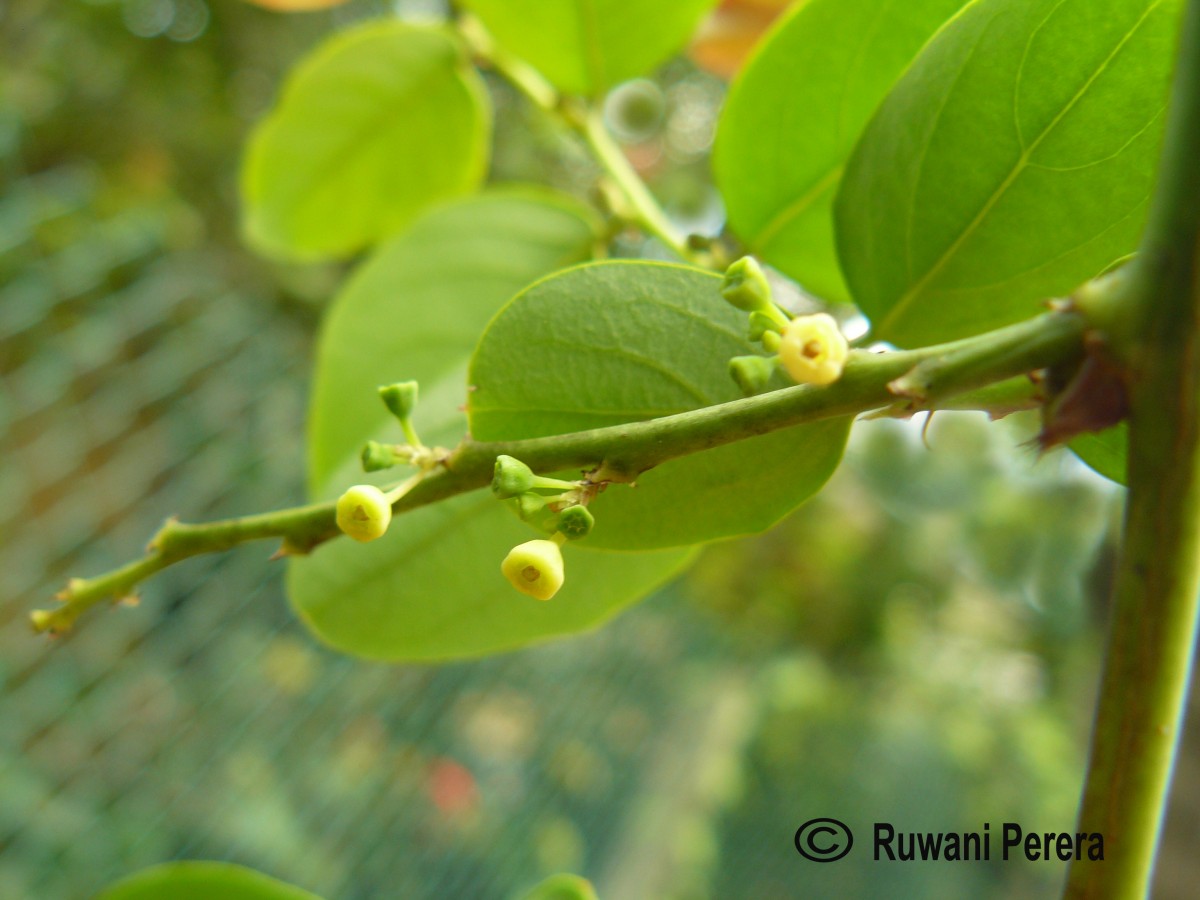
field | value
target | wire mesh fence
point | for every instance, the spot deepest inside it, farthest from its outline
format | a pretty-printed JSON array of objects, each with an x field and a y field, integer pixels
[
  {"x": 207, "y": 723},
  {"x": 919, "y": 644}
]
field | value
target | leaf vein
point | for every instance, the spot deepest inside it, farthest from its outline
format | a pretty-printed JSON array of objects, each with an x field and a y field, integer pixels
[{"x": 1022, "y": 161}]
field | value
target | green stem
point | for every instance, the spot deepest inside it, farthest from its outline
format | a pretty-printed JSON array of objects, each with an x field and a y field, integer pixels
[
  {"x": 524, "y": 77},
  {"x": 620, "y": 453},
  {"x": 644, "y": 211},
  {"x": 1153, "y": 628},
  {"x": 410, "y": 434},
  {"x": 301, "y": 528}
]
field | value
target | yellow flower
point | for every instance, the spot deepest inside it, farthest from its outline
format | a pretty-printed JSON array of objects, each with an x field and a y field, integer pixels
[
  {"x": 535, "y": 568},
  {"x": 364, "y": 512},
  {"x": 813, "y": 349}
]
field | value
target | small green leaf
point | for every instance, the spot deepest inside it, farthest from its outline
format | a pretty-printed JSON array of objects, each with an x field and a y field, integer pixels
[
  {"x": 1105, "y": 452},
  {"x": 380, "y": 122},
  {"x": 617, "y": 342},
  {"x": 1013, "y": 161},
  {"x": 431, "y": 588},
  {"x": 794, "y": 115},
  {"x": 202, "y": 881},
  {"x": 563, "y": 887},
  {"x": 585, "y": 46}
]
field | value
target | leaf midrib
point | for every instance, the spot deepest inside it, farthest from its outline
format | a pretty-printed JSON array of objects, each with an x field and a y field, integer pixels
[
  {"x": 593, "y": 58},
  {"x": 1017, "y": 170},
  {"x": 372, "y": 131},
  {"x": 831, "y": 175},
  {"x": 799, "y": 206}
]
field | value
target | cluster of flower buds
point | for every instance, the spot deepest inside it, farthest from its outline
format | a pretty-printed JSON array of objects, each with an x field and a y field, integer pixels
[
  {"x": 401, "y": 400},
  {"x": 536, "y": 567},
  {"x": 364, "y": 511},
  {"x": 811, "y": 348}
]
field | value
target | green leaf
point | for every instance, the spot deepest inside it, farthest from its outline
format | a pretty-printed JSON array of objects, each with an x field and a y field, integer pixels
[
  {"x": 585, "y": 46},
  {"x": 794, "y": 115},
  {"x": 563, "y": 887},
  {"x": 432, "y": 588},
  {"x": 1105, "y": 452},
  {"x": 202, "y": 881},
  {"x": 415, "y": 309},
  {"x": 616, "y": 342},
  {"x": 1013, "y": 161},
  {"x": 380, "y": 122}
]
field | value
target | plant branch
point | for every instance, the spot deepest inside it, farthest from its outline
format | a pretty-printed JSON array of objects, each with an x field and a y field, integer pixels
[
  {"x": 643, "y": 210},
  {"x": 620, "y": 453},
  {"x": 1153, "y": 629}
]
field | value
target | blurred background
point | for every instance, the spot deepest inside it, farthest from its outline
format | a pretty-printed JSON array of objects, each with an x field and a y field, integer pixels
[{"x": 918, "y": 645}]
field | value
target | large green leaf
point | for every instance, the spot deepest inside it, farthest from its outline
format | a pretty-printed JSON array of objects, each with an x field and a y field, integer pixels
[
  {"x": 415, "y": 309},
  {"x": 1012, "y": 161},
  {"x": 795, "y": 113},
  {"x": 202, "y": 881},
  {"x": 377, "y": 124},
  {"x": 616, "y": 342},
  {"x": 432, "y": 587},
  {"x": 585, "y": 46}
]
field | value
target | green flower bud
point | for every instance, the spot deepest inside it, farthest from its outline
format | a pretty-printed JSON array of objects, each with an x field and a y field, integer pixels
[
  {"x": 376, "y": 456},
  {"x": 535, "y": 568},
  {"x": 576, "y": 522},
  {"x": 364, "y": 512},
  {"x": 746, "y": 286},
  {"x": 511, "y": 478},
  {"x": 762, "y": 324},
  {"x": 751, "y": 373},
  {"x": 771, "y": 341},
  {"x": 400, "y": 399}
]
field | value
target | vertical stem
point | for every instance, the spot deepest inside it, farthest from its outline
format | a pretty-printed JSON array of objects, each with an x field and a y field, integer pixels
[
  {"x": 586, "y": 120},
  {"x": 1154, "y": 621}
]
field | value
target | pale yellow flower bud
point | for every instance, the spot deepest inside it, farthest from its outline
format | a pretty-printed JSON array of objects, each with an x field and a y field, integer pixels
[
  {"x": 813, "y": 349},
  {"x": 364, "y": 512},
  {"x": 535, "y": 568}
]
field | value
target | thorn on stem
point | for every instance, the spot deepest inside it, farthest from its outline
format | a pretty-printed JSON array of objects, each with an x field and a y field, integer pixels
[
  {"x": 155, "y": 544},
  {"x": 910, "y": 385},
  {"x": 288, "y": 548},
  {"x": 925, "y": 429},
  {"x": 1093, "y": 396},
  {"x": 73, "y": 585}
]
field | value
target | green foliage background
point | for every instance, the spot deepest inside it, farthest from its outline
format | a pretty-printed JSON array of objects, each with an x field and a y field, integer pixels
[{"x": 916, "y": 645}]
